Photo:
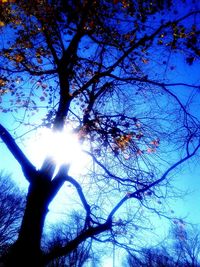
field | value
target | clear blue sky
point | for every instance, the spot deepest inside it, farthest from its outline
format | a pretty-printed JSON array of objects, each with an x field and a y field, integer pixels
[{"x": 187, "y": 179}]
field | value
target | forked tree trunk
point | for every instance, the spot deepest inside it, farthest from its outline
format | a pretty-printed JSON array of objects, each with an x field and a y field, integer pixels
[{"x": 26, "y": 251}]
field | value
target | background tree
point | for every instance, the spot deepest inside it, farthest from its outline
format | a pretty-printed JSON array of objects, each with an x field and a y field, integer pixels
[
  {"x": 11, "y": 211},
  {"x": 186, "y": 244},
  {"x": 60, "y": 235},
  {"x": 98, "y": 68},
  {"x": 151, "y": 257},
  {"x": 182, "y": 250}
]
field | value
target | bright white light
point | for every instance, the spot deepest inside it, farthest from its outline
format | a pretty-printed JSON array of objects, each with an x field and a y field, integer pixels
[{"x": 63, "y": 147}]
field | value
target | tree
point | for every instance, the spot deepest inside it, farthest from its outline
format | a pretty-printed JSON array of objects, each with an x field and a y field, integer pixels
[
  {"x": 186, "y": 244},
  {"x": 97, "y": 67},
  {"x": 11, "y": 211},
  {"x": 182, "y": 251},
  {"x": 151, "y": 258},
  {"x": 60, "y": 235}
]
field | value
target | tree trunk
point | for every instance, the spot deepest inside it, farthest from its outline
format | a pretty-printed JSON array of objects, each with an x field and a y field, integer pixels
[{"x": 26, "y": 251}]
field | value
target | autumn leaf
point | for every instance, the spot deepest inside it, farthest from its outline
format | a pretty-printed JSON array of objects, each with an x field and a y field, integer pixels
[
  {"x": 139, "y": 152},
  {"x": 4, "y": 1},
  {"x": 125, "y": 3},
  {"x": 145, "y": 61},
  {"x": 124, "y": 141},
  {"x": 3, "y": 91},
  {"x": 19, "y": 58},
  {"x": 2, "y": 82},
  {"x": 150, "y": 150},
  {"x": 155, "y": 143}
]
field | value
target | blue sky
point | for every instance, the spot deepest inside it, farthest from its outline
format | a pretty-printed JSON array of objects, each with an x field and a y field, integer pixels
[{"x": 187, "y": 179}]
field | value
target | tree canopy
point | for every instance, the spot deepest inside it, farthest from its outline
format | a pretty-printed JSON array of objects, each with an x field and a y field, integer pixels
[{"x": 107, "y": 71}]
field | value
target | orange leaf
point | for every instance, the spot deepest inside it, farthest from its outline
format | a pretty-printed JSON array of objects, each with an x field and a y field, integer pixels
[
  {"x": 2, "y": 82},
  {"x": 145, "y": 61},
  {"x": 18, "y": 58}
]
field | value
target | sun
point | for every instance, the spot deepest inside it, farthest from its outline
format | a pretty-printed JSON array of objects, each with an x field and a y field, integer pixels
[{"x": 63, "y": 147}]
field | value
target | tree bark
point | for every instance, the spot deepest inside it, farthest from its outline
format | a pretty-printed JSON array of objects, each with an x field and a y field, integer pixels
[{"x": 26, "y": 250}]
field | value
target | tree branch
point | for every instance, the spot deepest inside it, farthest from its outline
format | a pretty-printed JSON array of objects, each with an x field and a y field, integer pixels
[
  {"x": 138, "y": 193},
  {"x": 161, "y": 85},
  {"x": 49, "y": 42},
  {"x": 111, "y": 175},
  {"x": 28, "y": 169},
  {"x": 30, "y": 71},
  {"x": 82, "y": 197},
  {"x": 73, "y": 244},
  {"x": 141, "y": 42},
  {"x": 144, "y": 79},
  {"x": 58, "y": 180}
]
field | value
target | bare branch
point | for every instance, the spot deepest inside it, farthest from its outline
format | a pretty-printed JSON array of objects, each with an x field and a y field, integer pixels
[
  {"x": 142, "y": 41},
  {"x": 82, "y": 197},
  {"x": 31, "y": 71},
  {"x": 144, "y": 79},
  {"x": 138, "y": 193},
  {"x": 71, "y": 245},
  {"x": 111, "y": 175},
  {"x": 59, "y": 180},
  {"x": 159, "y": 84}
]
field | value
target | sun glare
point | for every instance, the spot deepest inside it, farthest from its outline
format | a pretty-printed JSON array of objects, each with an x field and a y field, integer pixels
[{"x": 63, "y": 147}]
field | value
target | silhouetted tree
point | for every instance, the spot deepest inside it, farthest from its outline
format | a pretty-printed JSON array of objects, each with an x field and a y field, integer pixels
[
  {"x": 97, "y": 67},
  {"x": 183, "y": 250},
  {"x": 151, "y": 258},
  {"x": 186, "y": 244},
  {"x": 11, "y": 211},
  {"x": 60, "y": 235}
]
